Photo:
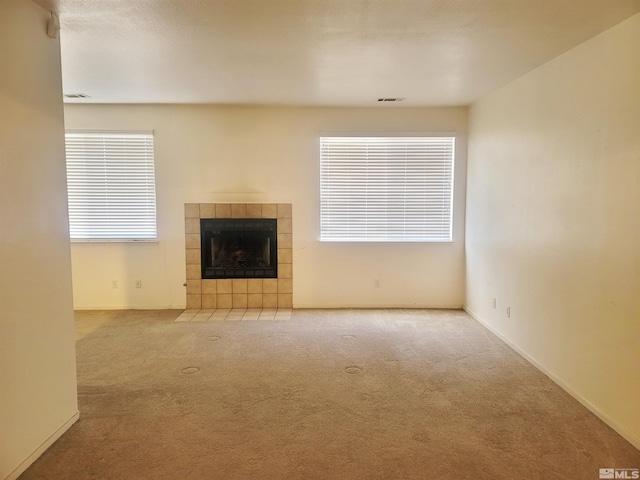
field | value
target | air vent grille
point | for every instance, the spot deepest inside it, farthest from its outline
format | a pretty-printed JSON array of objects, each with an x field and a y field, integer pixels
[
  {"x": 76, "y": 95},
  {"x": 390, "y": 99}
]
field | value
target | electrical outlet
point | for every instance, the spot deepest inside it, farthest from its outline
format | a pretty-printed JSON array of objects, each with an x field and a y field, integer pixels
[
  {"x": 493, "y": 303},
  {"x": 114, "y": 283},
  {"x": 138, "y": 283},
  {"x": 508, "y": 312}
]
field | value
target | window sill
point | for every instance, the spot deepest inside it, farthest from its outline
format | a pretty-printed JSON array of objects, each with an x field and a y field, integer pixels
[{"x": 112, "y": 240}]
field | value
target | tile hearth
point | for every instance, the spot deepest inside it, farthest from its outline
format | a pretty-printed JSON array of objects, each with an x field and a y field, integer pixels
[{"x": 209, "y": 315}]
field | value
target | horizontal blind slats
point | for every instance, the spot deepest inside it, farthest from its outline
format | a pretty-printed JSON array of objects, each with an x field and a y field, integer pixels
[
  {"x": 386, "y": 188},
  {"x": 111, "y": 185}
]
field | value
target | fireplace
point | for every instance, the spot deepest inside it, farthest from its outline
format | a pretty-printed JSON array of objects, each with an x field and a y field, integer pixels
[
  {"x": 234, "y": 291},
  {"x": 239, "y": 248}
]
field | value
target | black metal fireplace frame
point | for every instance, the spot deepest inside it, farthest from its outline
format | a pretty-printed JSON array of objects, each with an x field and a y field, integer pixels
[{"x": 216, "y": 226}]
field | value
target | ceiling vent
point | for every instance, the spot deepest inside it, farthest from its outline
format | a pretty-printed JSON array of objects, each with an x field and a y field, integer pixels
[
  {"x": 76, "y": 95},
  {"x": 390, "y": 99}
]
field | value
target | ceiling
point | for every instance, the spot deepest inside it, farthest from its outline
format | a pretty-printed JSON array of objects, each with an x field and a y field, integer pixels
[{"x": 315, "y": 52}]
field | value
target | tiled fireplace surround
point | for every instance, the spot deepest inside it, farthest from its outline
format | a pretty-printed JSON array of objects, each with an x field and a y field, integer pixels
[{"x": 239, "y": 293}]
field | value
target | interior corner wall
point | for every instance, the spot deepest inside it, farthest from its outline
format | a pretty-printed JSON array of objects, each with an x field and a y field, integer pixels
[
  {"x": 37, "y": 349},
  {"x": 553, "y": 229},
  {"x": 217, "y": 154}
]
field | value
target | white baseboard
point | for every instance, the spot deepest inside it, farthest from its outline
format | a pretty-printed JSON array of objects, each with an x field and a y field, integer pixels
[
  {"x": 633, "y": 440},
  {"x": 26, "y": 463},
  {"x": 299, "y": 306},
  {"x": 373, "y": 307},
  {"x": 129, "y": 307}
]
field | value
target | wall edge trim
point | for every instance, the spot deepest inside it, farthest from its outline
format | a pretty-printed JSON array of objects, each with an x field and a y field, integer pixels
[
  {"x": 622, "y": 431},
  {"x": 26, "y": 463}
]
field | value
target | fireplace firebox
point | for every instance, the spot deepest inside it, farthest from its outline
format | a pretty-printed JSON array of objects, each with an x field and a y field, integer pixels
[{"x": 239, "y": 248}]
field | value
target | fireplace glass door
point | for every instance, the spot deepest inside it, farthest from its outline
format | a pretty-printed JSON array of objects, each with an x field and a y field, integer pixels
[{"x": 239, "y": 248}]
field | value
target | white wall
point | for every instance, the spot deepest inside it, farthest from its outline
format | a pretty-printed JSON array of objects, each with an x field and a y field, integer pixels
[
  {"x": 553, "y": 223},
  {"x": 267, "y": 154},
  {"x": 37, "y": 350}
]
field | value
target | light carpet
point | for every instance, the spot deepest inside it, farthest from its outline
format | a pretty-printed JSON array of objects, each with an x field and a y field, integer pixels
[{"x": 326, "y": 394}]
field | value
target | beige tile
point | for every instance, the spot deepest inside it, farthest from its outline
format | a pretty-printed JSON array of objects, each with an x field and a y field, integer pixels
[
  {"x": 269, "y": 300},
  {"x": 238, "y": 210},
  {"x": 239, "y": 300},
  {"x": 267, "y": 316},
  {"x": 209, "y": 301},
  {"x": 284, "y": 210},
  {"x": 187, "y": 315},
  {"x": 192, "y": 240},
  {"x": 224, "y": 286},
  {"x": 191, "y": 210},
  {"x": 224, "y": 300},
  {"x": 285, "y": 240},
  {"x": 194, "y": 272},
  {"x": 269, "y": 210},
  {"x": 254, "y": 300},
  {"x": 285, "y": 300},
  {"x": 254, "y": 210},
  {"x": 209, "y": 287},
  {"x": 239, "y": 285},
  {"x": 221, "y": 312},
  {"x": 194, "y": 301},
  {"x": 194, "y": 287},
  {"x": 285, "y": 270},
  {"x": 254, "y": 285},
  {"x": 270, "y": 285},
  {"x": 284, "y": 225},
  {"x": 285, "y": 255},
  {"x": 207, "y": 210},
  {"x": 193, "y": 256},
  {"x": 203, "y": 315},
  {"x": 234, "y": 317},
  {"x": 192, "y": 225},
  {"x": 248, "y": 316},
  {"x": 285, "y": 285},
  {"x": 223, "y": 210}
]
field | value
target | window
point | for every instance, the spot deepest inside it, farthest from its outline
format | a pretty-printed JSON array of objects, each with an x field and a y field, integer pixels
[
  {"x": 386, "y": 189},
  {"x": 111, "y": 186}
]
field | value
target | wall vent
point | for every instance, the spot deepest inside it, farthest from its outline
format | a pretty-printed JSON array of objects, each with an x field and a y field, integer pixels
[
  {"x": 390, "y": 99},
  {"x": 76, "y": 95}
]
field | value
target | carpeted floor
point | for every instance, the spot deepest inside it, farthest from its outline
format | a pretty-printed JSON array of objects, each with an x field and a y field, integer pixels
[{"x": 327, "y": 394}]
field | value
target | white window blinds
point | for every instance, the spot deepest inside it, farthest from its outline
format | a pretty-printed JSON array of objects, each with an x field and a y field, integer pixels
[
  {"x": 386, "y": 189},
  {"x": 111, "y": 186}
]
